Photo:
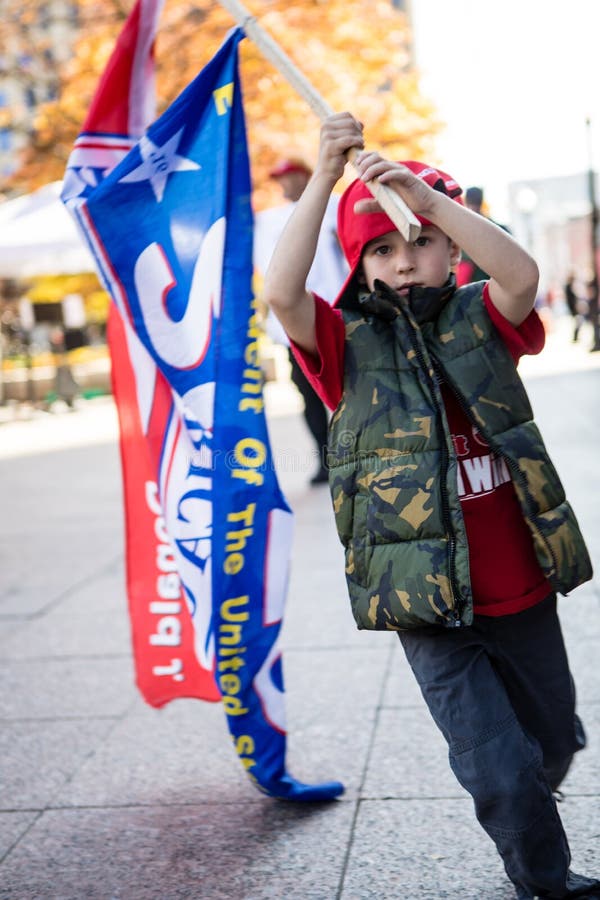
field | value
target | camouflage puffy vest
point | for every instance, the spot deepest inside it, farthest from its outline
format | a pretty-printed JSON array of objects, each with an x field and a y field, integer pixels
[{"x": 393, "y": 471}]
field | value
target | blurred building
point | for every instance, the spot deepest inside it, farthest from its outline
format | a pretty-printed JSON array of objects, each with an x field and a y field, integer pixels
[
  {"x": 36, "y": 39},
  {"x": 552, "y": 218}
]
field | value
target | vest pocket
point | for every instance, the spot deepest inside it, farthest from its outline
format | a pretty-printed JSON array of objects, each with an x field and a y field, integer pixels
[{"x": 403, "y": 502}]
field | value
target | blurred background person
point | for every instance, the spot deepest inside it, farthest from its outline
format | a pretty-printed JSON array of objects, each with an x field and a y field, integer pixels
[
  {"x": 576, "y": 304},
  {"x": 65, "y": 385},
  {"x": 468, "y": 271}
]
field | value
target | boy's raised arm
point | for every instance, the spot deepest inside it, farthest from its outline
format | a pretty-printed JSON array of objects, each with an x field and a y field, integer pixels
[
  {"x": 285, "y": 279},
  {"x": 514, "y": 275},
  {"x": 513, "y": 272}
]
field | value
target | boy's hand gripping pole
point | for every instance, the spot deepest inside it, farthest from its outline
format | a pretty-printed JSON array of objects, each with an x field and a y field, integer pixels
[{"x": 391, "y": 203}]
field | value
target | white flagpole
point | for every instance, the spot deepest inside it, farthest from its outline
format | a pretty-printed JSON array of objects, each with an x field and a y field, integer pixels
[{"x": 401, "y": 215}]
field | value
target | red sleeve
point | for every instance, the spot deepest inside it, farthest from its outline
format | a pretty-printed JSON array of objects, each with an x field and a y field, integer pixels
[
  {"x": 325, "y": 371},
  {"x": 526, "y": 338}
]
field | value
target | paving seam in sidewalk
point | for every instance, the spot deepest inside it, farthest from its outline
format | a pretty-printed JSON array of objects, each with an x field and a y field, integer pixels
[{"x": 359, "y": 796}]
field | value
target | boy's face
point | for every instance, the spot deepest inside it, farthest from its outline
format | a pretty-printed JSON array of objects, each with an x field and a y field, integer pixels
[{"x": 424, "y": 263}]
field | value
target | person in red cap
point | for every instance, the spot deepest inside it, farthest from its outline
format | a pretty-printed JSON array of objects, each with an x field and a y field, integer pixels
[
  {"x": 456, "y": 528},
  {"x": 326, "y": 275},
  {"x": 292, "y": 175}
]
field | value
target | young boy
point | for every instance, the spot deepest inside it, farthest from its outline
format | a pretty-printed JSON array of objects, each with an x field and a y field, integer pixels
[{"x": 455, "y": 524}]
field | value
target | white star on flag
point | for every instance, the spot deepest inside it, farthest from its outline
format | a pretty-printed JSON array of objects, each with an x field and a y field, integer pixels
[{"x": 159, "y": 162}]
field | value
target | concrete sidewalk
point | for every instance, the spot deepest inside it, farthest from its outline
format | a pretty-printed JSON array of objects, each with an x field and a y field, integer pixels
[{"x": 103, "y": 797}]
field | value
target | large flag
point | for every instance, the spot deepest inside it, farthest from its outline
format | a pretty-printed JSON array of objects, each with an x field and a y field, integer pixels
[
  {"x": 166, "y": 663},
  {"x": 208, "y": 530}
]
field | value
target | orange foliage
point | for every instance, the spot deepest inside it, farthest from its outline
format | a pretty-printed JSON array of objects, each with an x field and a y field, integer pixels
[{"x": 356, "y": 54}]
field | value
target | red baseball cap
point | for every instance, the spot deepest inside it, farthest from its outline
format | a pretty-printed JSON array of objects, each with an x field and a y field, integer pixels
[
  {"x": 355, "y": 230},
  {"x": 285, "y": 166}
]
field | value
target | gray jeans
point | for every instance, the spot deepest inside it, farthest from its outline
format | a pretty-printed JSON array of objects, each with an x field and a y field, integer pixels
[{"x": 502, "y": 694}]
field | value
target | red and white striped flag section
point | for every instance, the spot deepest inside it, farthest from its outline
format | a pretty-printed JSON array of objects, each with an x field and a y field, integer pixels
[{"x": 166, "y": 213}]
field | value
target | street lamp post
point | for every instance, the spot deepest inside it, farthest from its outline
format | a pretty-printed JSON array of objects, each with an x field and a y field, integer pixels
[{"x": 593, "y": 308}]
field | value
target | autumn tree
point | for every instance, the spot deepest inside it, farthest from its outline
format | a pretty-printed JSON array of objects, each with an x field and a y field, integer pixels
[{"x": 356, "y": 53}]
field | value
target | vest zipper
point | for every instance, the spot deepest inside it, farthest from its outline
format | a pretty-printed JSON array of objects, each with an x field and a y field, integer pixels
[{"x": 454, "y": 614}]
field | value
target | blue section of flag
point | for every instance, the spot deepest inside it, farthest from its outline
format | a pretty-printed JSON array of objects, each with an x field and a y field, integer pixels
[
  {"x": 192, "y": 145},
  {"x": 172, "y": 229}
]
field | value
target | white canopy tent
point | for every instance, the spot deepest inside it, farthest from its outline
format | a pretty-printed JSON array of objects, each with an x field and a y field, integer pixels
[{"x": 38, "y": 237}]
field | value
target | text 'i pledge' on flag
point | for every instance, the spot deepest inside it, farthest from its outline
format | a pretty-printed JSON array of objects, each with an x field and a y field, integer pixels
[{"x": 171, "y": 227}]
